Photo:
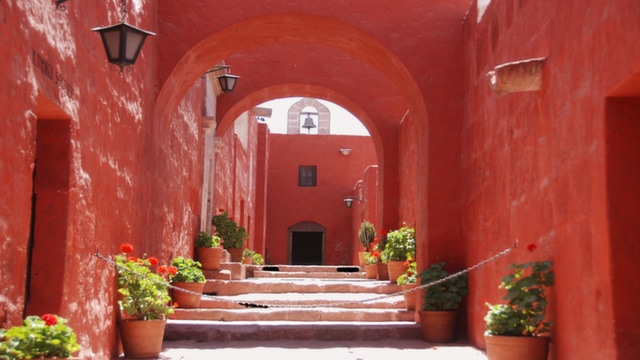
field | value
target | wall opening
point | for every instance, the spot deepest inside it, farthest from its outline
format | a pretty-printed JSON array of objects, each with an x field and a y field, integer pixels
[
  {"x": 50, "y": 211},
  {"x": 623, "y": 196},
  {"x": 306, "y": 244},
  {"x": 306, "y": 247}
]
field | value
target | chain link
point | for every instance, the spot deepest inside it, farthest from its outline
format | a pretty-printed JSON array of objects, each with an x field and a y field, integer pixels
[{"x": 332, "y": 305}]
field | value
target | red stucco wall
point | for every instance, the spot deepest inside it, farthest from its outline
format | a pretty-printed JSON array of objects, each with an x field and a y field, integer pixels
[
  {"x": 288, "y": 204},
  {"x": 535, "y": 168}
]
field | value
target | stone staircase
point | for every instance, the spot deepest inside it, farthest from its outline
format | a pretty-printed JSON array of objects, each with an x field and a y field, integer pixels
[{"x": 246, "y": 302}]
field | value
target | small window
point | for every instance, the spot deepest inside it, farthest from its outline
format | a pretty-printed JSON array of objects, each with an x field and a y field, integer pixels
[{"x": 307, "y": 175}]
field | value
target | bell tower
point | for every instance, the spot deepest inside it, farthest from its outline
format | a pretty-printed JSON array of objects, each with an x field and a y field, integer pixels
[{"x": 304, "y": 114}]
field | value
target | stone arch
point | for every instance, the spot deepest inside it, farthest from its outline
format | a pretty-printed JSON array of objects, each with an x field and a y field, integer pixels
[
  {"x": 293, "y": 116},
  {"x": 288, "y": 28}
]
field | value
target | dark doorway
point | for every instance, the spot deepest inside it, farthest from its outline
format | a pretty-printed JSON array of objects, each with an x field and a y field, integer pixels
[{"x": 306, "y": 247}]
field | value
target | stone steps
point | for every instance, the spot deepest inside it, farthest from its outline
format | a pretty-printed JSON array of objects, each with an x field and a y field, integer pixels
[
  {"x": 216, "y": 331},
  {"x": 294, "y": 303}
]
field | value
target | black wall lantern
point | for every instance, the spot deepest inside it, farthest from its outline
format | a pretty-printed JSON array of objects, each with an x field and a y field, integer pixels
[
  {"x": 227, "y": 81},
  {"x": 122, "y": 42}
]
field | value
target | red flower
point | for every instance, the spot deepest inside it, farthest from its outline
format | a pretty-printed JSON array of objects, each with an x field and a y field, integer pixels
[
  {"x": 221, "y": 210},
  {"x": 376, "y": 254},
  {"x": 49, "y": 319},
  {"x": 153, "y": 260},
  {"x": 409, "y": 273},
  {"x": 126, "y": 248},
  {"x": 172, "y": 270},
  {"x": 162, "y": 270},
  {"x": 532, "y": 247},
  {"x": 132, "y": 259},
  {"x": 175, "y": 304},
  {"x": 406, "y": 263},
  {"x": 375, "y": 240}
]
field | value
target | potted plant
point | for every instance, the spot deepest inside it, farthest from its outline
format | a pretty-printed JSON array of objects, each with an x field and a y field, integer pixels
[
  {"x": 515, "y": 329},
  {"x": 400, "y": 246},
  {"x": 46, "y": 336},
  {"x": 247, "y": 256},
  {"x": 189, "y": 277},
  {"x": 408, "y": 282},
  {"x": 440, "y": 303},
  {"x": 231, "y": 234},
  {"x": 208, "y": 250},
  {"x": 144, "y": 297},
  {"x": 371, "y": 259},
  {"x": 379, "y": 245},
  {"x": 366, "y": 235},
  {"x": 258, "y": 259}
]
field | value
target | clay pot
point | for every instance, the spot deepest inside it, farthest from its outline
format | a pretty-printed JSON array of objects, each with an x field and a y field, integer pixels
[
  {"x": 395, "y": 269},
  {"x": 517, "y": 347},
  {"x": 185, "y": 299},
  {"x": 142, "y": 339},
  {"x": 409, "y": 297},
  {"x": 383, "y": 271},
  {"x": 438, "y": 326},
  {"x": 236, "y": 254},
  {"x": 210, "y": 258},
  {"x": 371, "y": 271}
]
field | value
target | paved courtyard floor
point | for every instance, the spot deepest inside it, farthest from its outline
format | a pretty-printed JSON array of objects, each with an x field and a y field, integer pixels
[{"x": 311, "y": 349}]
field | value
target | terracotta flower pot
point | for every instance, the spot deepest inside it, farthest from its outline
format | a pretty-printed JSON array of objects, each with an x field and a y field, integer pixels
[
  {"x": 396, "y": 268},
  {"x": 210, "y": 258},
  {"x": 438, "y": 326},
  {"x": 185, "y": 299},
  {"x": 409, "y": 297},
  {"x": 142, "y": 339},
  {"x": 371, "y": 271},
  {"x": 236, "y": 254},
  {"x": 517, "y": 347},
  {"x": 361, "y": 256},
  {"x": 383, "y": 271}
]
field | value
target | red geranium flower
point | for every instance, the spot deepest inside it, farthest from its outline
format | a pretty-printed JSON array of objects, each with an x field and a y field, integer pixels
[
  {"x": 172, "y": 270},
  {"x": 375, "y": 240},
  {"x": 132, "y": 259},
  {"x": 49, "y": 319},
  {"x": 376, "y": 254},
  {"x": 153, "y": 260},
  {"x": 531, "y": 247},
  {"x": 126, "y": 248},
  {"x": 162, "y": 270}
]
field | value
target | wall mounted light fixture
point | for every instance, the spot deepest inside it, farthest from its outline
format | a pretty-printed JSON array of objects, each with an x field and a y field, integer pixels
[
  {"x": 122, "y": 42},
  {"x": 348, "y": 201},
  {"x": 226, "y": 80}
]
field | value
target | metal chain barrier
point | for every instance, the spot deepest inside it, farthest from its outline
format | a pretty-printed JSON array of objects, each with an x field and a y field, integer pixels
[{"x": 336, "y": 304}]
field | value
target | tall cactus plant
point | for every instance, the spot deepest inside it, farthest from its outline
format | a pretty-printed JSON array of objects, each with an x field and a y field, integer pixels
[{"x": 366, "y": 234}]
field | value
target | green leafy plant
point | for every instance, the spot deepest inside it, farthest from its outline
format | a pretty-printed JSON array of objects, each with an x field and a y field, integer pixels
[
  {"x": 372, "y": 257},
  {"x": 409, "y": 276},
  {"x": 145, "y": 294},
  {"x": 187, "y": 270},
  {"x": 526, "y": 307},
  {"x": 400, "y": 245},
  {"x": 232, "y": 234},
  {"x": 258, "y": 259},
  {"x": 45, "y": 336},
  {"x": 204, "y": 240},
  {"x": 248, "y": 253},
  {"x": 366, "y": 234},
  {"x": 444, "y": 296}
]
